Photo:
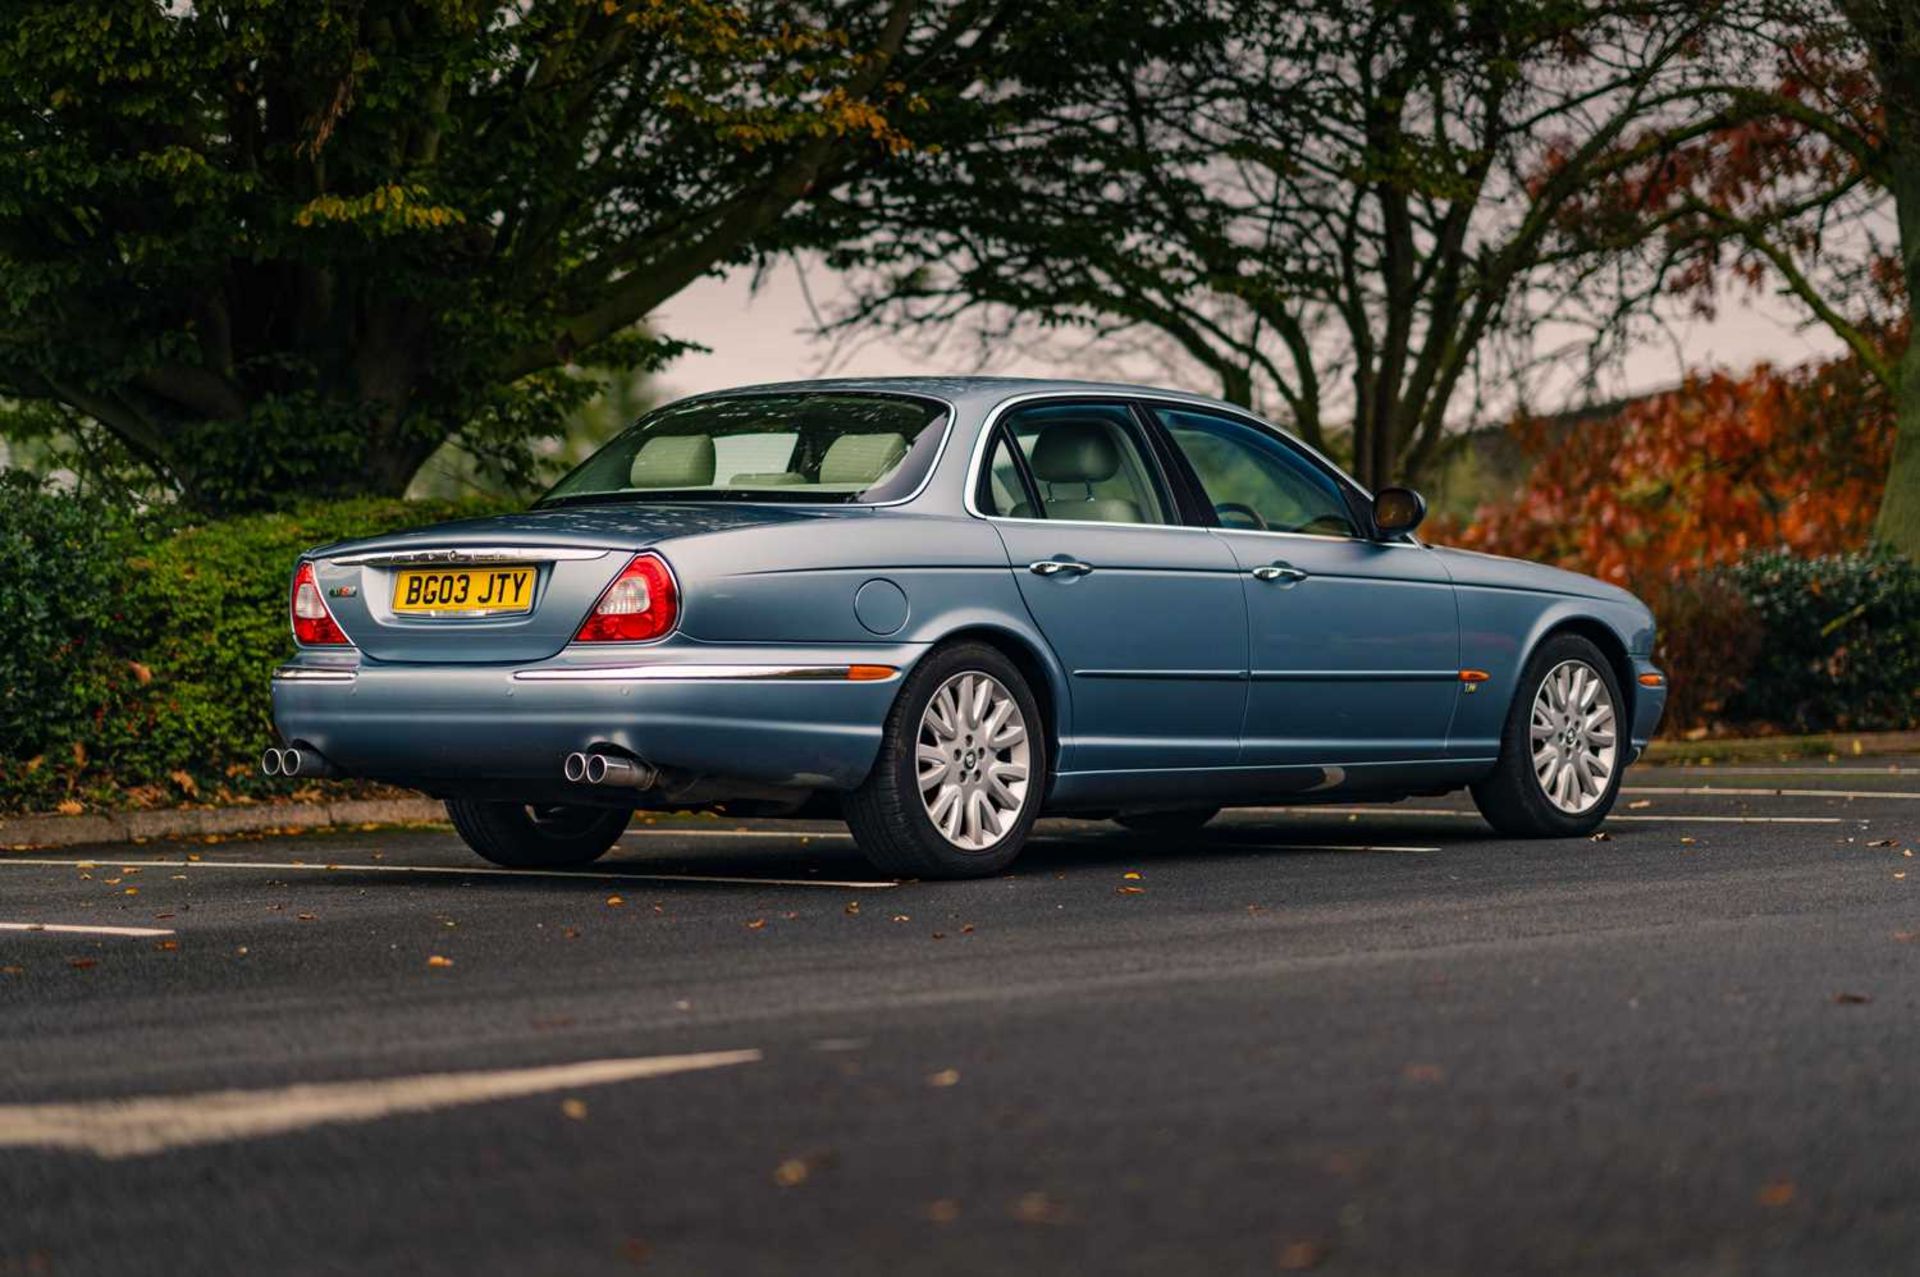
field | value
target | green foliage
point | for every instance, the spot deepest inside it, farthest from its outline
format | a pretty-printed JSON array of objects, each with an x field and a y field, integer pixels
[
  {"x": 61, "y": 613},
  {"x": 136, "y": 657},
  {"x": 1842, "y": 641},
  {"x": 286, "y": 249}
]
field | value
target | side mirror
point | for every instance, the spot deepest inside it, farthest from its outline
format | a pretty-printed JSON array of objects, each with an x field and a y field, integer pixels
[{"x": 1397, "y": 510}]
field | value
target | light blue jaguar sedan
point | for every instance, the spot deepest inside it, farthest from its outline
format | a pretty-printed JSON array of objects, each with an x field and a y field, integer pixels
[{"x": 947, "y": 606}]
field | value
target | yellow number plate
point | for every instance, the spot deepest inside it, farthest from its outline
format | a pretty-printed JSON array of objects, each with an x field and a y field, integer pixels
[{"x": 486, "y": 591}]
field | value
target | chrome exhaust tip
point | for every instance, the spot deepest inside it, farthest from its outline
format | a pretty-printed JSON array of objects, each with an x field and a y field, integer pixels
[
  {"x": 610, "y": 770},
  {"x": 292, "y": 762},
  {"x": 270, "y": 762}
]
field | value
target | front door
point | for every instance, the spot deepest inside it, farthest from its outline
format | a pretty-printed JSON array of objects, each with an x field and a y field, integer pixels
[
  {"x": 1148, "y": 617},
  {"x": 1355, "y": 643}
]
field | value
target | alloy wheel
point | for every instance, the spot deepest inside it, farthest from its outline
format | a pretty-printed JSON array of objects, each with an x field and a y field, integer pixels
[
  {"x": 973, "y": 760},
  {"x": 1573, "y": 736}
]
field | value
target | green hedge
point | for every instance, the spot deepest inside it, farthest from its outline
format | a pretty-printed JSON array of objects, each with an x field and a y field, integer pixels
[
  {"x": 1839, "y": 642},
  {"x": 135, "y": 654}
]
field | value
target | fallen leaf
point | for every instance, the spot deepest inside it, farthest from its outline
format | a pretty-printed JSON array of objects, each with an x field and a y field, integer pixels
[
  {"x": 574, "y": 1107},
  {"x": 853, "y": 909},
  {"x": 1884, "y": 842},
  {"x": 1776, "y": 1194},
  {"x": 436, "y": 960},
  {"x": 570, "y": 933},
  {"x": 943, "y": 1210},
  {"x": 1129, "y": 891},
  {"x": 1686, "y": 842},
  {"x": 305, "y": 917},
  {"x": 1853, "y": 999},
  {"x": 1038, "y": 1208},
  {"x": 901, "y": 917},
  {"x": 141, "y": 674},
  {"x": 1299, "y": 1256},
  {"x": 13, "y": 970},
  {"x": 133, "y": 891},
  {"x": 796, "y": 1171},
  {"x": 167, "y": 946},
  {"x": 945, "y": 1077},
  {"x": 757, "y": 924},
  {"x": 1906, "y": 937},
  {"x": 614, "y": 902},
  {"x": 1639, "y": 803},
  {"x": 81, "y": 964},
  {"x": 70, "y": 808},
  {"x": 967, "y": 929},
  {"x": 1602, "y": 836},
  {"x": 1131, "y": 876}
]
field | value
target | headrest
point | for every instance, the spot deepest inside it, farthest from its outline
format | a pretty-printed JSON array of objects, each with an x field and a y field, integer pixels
[
  {"x": 1075, "y": 451},
  {"x": 861, "y": 458},
  {"x": 674, "y": 461},
  {"x": 766, "y": 479}
]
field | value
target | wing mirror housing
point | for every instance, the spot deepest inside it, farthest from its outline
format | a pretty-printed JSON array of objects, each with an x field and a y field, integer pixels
[{"x": 1398, "y": 510}]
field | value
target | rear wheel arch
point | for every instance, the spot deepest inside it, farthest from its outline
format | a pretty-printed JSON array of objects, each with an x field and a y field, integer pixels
[{"x": 1039, "y": 673}]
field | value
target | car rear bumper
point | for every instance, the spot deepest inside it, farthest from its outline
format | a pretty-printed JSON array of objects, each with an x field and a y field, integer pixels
[{"x": 801, "y": 717}]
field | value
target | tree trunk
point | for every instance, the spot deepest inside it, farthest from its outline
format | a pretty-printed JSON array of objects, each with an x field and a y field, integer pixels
[{"x": 1892, "y": 32}]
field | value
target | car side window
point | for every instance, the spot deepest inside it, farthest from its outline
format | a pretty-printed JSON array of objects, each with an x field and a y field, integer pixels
[
  {"x": 1088, "y": 462},
  {"x": 1254, "y": 481},
  {"x": 1003, "y": 491}
]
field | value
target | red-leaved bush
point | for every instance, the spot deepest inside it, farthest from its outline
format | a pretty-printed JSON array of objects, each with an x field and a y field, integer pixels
[{"x": 1697, "y": 478}]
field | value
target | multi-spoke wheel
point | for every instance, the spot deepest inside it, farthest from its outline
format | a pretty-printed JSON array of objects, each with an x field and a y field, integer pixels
[
  {"x": 537, "y": 836},
  {"x": 1560, "y": 758},
  {"x": 962, "y": 765},
  {"x": 974, "y": 760},
  {"x": 1572, "y": 731}
]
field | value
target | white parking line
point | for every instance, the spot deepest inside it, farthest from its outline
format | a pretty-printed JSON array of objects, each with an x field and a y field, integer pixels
[
  {"x": 1766, "y": 793},
  {"x": 1474, "y": 815},
  {"x": 476, "y": 871},
  {"x": 155, "y": 1123},
  {"x": 1752, "y": 770},
  {"x": 68, "y": 929}
]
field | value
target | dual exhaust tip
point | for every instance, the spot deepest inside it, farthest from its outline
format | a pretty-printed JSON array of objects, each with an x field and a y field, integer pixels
[
  {"x": 610, "y": 770},
  {"x": 294, "y": 762}
]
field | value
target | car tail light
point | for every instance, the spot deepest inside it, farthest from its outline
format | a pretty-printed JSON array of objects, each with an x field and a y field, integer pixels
[
  {"x": 313, "y": 624},
  {"x": 641, "y": 604}
]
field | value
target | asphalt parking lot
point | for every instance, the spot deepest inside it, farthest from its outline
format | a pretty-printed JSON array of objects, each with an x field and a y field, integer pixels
[{"x": 1325, "y": 1040}]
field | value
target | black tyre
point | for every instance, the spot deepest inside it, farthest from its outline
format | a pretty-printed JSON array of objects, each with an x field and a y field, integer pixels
[
  {"x": 961, "y": 773},
  {"x": 1563, "y": 749},
  {"x": 520, "y": 836},
  {"x": 1184, "y": 821}
]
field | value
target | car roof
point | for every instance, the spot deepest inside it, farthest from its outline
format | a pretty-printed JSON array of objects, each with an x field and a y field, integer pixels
[{"x": 957, "y": 389}]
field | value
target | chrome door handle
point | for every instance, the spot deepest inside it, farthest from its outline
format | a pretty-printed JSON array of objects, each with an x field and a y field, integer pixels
[
  {"x": 1278, "y": 572},
  {"x": 1057, "y": 567}
]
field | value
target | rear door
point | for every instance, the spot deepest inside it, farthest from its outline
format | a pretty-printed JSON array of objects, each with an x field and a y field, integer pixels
[
  {"x": 1147, "y": 616},
  {"x": 1355, "y": 652}
]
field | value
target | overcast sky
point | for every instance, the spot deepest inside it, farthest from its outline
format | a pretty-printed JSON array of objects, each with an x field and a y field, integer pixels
[{"x": 765, "y": 336}]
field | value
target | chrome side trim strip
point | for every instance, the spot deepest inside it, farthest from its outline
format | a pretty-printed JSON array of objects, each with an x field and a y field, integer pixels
[
  {"x": 1356, "y": 676},
  {"x": 659, "y": 673},
  {"x": 312, "y": 674},
  {"x": 1205, "y": 676},
  {"x": 458, "y": 556}
]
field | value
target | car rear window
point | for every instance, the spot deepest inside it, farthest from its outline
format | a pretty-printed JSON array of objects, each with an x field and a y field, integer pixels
[{"x": 810, "y": 447}]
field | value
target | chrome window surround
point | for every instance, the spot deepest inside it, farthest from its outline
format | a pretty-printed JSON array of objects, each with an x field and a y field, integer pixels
[
  {"x": 1146, "y": 398},
  {"x": 933, "y": 467}
]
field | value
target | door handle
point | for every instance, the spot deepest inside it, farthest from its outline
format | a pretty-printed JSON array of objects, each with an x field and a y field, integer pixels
[
  {"x": 1059, "y": 567},
  {"x": 1279, "y": 572}
]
